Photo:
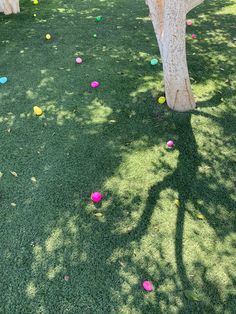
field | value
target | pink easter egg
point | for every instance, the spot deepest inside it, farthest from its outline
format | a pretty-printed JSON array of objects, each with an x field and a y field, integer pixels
[
  {"x": 95, "y": 84},
  {"x": 78, "y": 60},
  {"x": 148, "y": 286},
  {"x": 170, "y": 144},
  {"x": 194, "y": 36},
  {"x": 96, "y": 197},
  {"x": 189, "y": 22}
]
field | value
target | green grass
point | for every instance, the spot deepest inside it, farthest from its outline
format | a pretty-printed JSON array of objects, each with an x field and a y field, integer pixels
[{"x": 113, "y": 140}]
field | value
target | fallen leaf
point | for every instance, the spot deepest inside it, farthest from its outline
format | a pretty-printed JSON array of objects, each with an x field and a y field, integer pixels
[
  {"x": 33, "y": 179},
  {"x": 177, "y": 202},
  {"x": 98, "y": 214},
  {"x": 13, "y": 204},
  {"x": 121, "y": 264},
  {"x": 191, "y": 295},
  {"x": 200, "y": 216},
  {"x": 14, "y": 173},
  {"x": 1, "y": 174},
  {"x": 8, "y": 130}
]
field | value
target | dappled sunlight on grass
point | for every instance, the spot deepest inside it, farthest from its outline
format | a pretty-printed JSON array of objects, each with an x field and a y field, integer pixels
[
  {"x": 55, "y": 241},
  {"x": 8, "y": 120},
  {"x": 54, "y": 271},
  {"x": 65, "y": 10},
  {"x": 113, "y": 140},
  {"x": 45, "y": 82},
  {"x": 98, "y": 112},
  {"x": 227, "y": 9},
  {"x": 31, "y": 290},
  {"x": 150, "y": 84}
]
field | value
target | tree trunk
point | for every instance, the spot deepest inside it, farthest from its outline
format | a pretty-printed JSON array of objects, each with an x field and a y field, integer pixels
[
  {"x": 169, "y": 21},
  {"x": 9, "y": 6}
]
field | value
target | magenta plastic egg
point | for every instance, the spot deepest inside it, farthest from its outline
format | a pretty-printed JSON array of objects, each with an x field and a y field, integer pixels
[
  {"x": 170, "y": 144},
  {"x": 147, "y": 286},
  {"x": 189, "y": 22},
  {"x": 95, "y": 84},
  {"x": 194, "y": 36},
  {"x": 78, "y": 60},
  {"x": 96, "y": 197}
]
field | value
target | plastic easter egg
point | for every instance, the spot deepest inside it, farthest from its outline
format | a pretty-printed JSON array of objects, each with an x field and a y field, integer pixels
[
  {"x": 96, "y": 197},
  {"x": 154, "y": 62},
  {"x": 194, "y": 36},
  {"x": 189, "y": 22},
  {"x": 38, "y": 111},
  {"x": 34, "y": 15},
  {"x": 161, "y": 100},
  {"x": 170, "y": 144},
  {"x": 98, "y": 18},
  {"x": 48, "y": 36},
  {"x": 95, "y": 84},
  {"x": 148, "y": 286},
  {"x": 35, "y": 2},
  {"x": 3, "y": 80},
  {"x": 95, "y": 35},
  {"x": 78, "y": 60}
]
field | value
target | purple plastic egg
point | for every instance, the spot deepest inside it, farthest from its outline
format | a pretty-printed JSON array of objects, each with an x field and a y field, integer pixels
[
  {"x": 148, "y": 286},
  {"x": 78, "y": 60},
  {"x": 170, "y": 144},
  {"x": 96, "y": 197},
  {"x": 189, "y": 22},
  {"x": 95, "y": 84}
]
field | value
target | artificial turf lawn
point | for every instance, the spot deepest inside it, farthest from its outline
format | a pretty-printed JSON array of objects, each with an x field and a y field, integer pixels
[{"x": 113, "y": 140}]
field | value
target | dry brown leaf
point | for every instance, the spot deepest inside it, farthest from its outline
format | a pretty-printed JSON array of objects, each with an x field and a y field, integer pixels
[
  {"x": 33, "y": 179},
  {"x": 192, "y": 295},
  {"x": 98, "y": 214},
  {"x": 177, "y": 202},
  {"x": 200, "y": 216},
  {"x": 14, "y": 173}
]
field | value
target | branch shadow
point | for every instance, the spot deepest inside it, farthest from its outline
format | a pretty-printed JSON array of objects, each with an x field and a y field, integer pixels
[{"x": 79, "y": 145}]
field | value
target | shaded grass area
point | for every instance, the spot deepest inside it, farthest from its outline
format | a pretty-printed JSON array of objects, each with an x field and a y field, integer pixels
[{"x": 113, "y": 140}]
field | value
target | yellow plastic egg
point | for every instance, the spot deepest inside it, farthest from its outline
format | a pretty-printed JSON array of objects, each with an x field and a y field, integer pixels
[
  {"x": 48, "y": 36},
  {"x": 38, "y": 111},
  {"x": 35, "y": 2},
  {"x": 161, "y": 100}
]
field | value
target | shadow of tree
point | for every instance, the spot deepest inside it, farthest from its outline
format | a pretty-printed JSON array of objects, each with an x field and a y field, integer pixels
[{"x": 89, "y": 140}]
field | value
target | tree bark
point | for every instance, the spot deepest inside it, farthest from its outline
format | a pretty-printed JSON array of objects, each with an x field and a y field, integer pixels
[
  {"x": 169, "y": 22},
  {"x": 9, "y": 6}
]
